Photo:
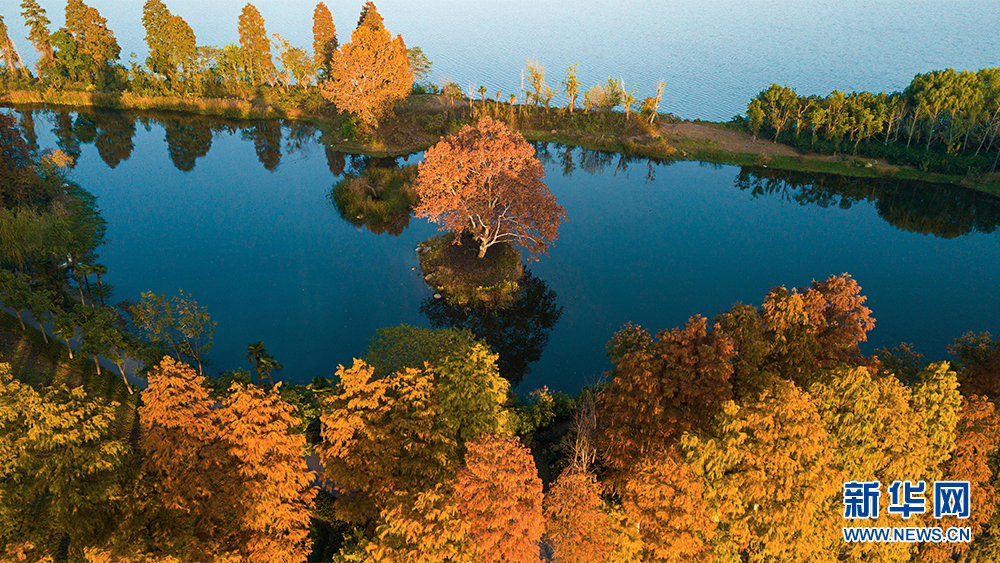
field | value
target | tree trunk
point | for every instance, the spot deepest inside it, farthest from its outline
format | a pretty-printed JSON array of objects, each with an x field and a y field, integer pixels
[
  {"x": 18, "y": 313},
  {"x": 96, "y": 363},
  {"x": 70, "y": 348},
  {"x": 125, "y": 379}
]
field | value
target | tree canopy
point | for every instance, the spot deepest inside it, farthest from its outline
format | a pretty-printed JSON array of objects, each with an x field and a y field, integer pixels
[
  {"x": 487, "y": 181},
  {"x": 371, "y": 73}
]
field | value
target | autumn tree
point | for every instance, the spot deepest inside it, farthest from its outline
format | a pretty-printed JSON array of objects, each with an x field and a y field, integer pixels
[
  {"x": 886, "y": 431},
  {"x": 260, "y": 432},
  {"x": 255, "y": 47},
  {"x": 225, "y": 479},
  {"x": 8, "y": 52},
  {"x": 371, "y": 73},
  {"x": 59, "y": 464},
  {"x": 660, "y": 389},
  {"x": 486, "y": 181},
  {"x": 193, "y": 474},
  {"x": 797, "y": 333},
  {"x": 423, "y": 527},
  {"x": 324, "y": 38},
  {"x": 665, "y": 497},
  {"x": 577, "y": 523},
  {"x": 572, "y": 86},
  {"x": 170, "y": 39},
  {"x": 381, "y": 437},
  {"x": 94, "y": 42},
  {"x": 500, "y": 498},
  {"x": 38, "y": 34},
  {"x": 977, "y": 438},
  {"x": 768, "y": 479}
]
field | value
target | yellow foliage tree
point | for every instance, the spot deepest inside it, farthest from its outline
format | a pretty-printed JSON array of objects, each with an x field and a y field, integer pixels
[
  {"x": 59, "y": 461},
  {"x": 769, "y": 480},
  {"x": 665, "y": 497},
  {"x": 371, "y": 73},
  {"x": 383, "y": 436}
]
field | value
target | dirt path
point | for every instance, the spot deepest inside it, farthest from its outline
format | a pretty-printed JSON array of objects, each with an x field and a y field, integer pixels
[{"x": 721, "y": 138}]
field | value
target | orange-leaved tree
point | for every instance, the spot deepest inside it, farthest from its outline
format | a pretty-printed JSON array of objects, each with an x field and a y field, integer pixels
[
  {"x": 486, "y": 181},
  {"x": 324, "y": 38},
  {"x": 500, "y": 498},
  {"x": 195, "y": 478},
  {"x": 577, "y": 522},
  {"x": 665, "y": 497},
  {"x": 977, "y": 437},
  {"x": 371, "y": 73},
  {"x": 224, "y": 480},
  {"x": 660, "y": 389}
]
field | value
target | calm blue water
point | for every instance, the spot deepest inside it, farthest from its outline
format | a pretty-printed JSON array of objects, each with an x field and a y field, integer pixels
[
  {"x": 269, "y": 255},
  {"x": 713, "y": 54}
]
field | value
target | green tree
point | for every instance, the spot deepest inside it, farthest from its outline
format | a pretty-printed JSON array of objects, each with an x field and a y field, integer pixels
[
  {"x": 255, "y": 47},
  {"x": 59, "y": 465},
  {"x": 180, "y": 324}
]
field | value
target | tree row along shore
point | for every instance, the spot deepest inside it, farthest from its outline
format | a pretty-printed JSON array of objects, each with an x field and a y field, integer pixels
[{"x": 369, "y": 96}]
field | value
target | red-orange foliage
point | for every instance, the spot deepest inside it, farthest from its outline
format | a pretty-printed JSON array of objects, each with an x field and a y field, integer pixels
[
  {"x": 235, "y": 472},
  {"x": 371, "y": 73},
  {"x": 500, "y": 498},
  {"x": 661, "y": 389},
  {"x": 796, "y": 333},
  {"x": 577, "y": 525},
  {"x": 977, "y": 437},
  {"x": 666, "y": 498},
  {"x": 274, "y": 504},
  {"x": 184, "y": 453},
  {"x": 486, "y": 180}
]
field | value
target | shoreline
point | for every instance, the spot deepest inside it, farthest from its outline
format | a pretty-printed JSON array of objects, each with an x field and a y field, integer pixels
[{"x": 677, "y": 140}]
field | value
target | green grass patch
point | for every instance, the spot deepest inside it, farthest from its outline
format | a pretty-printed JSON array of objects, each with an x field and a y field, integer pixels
[
  {"x": 380, "y": 198},
  {"x": 461, "y": 277}
]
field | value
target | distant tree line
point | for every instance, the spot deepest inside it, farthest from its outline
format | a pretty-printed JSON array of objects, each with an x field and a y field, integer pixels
[{"x": 944, "y": 121}]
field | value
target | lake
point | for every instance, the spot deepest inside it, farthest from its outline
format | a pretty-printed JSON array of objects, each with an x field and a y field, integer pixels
[
  {"x": 239, "y": 216},
  {"x": 714, "y": 55}
]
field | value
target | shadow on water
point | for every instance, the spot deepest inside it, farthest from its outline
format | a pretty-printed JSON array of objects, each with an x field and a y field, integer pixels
[
  {"x": 932, "y": 209},
  {"x": 187, "y": 139},
  {"x": 518, "y": 332}
]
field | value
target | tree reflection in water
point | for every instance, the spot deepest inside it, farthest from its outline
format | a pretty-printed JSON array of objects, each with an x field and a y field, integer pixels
[
  {"x": 517, "y": 332},
  {"x": 937, "y": 209}
]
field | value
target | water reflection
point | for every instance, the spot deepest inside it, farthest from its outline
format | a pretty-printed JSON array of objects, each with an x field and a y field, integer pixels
[
  {"x": 517, "y": 332},
  {"x": 374, "y": 193},
  {"x": 187, "y": 139},
  {"x": 592, "y": 161},
  {"x": 938, "y": 209}
]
